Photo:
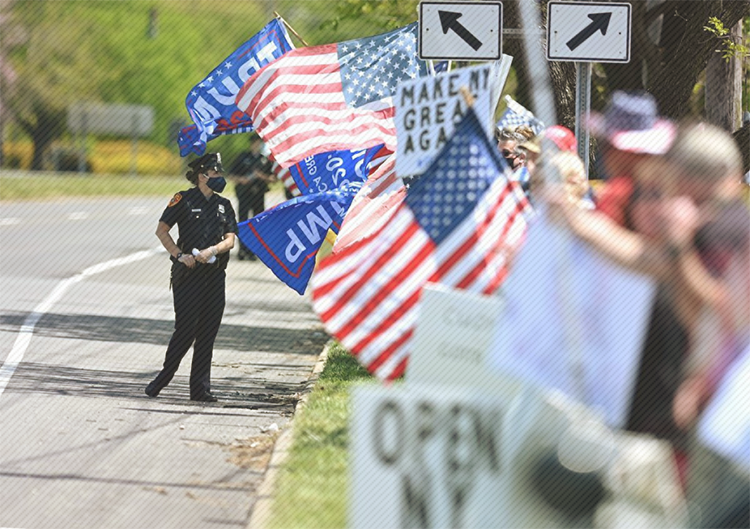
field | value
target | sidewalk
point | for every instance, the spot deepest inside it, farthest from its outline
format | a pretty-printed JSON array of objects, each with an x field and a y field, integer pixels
[
  {"x": 267, "y": 349},
  {"x": 268, "y": 345}
]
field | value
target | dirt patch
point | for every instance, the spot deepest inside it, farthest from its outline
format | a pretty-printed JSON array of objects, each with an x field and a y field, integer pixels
[{"x": 253, "y": 453}]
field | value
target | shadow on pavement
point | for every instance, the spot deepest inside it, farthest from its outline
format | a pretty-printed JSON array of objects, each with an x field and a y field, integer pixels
[
  {"x": 235, "y": 392},
  {"x": 138, "y": 330},
  {"x": 139, "y": 483}
]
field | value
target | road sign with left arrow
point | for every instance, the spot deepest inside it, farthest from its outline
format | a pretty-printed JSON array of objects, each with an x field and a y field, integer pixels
[
  {"x": 470, "y": 31},
  {"x": 588, "y": 31}
]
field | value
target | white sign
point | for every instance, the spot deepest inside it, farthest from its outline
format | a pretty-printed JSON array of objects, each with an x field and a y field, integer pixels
[
  {"x": 725, "y": 425},
  {"x": 430, "y": 456},
  {"x": 588, "y": 32},
  {"x": 426, "y": 457},
  {"x": 469, "y": 31},
  {"x": 452, "y": 339},
  {"x": 428, "y": 110},
  {"x": 574, "y": 322},
  {"x": 118, "y": 119}
]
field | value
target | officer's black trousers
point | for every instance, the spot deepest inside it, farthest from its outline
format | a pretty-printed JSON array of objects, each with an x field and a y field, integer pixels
[
  {"x": 250, "y": 198},
  {"x": 199, "y": 301}
]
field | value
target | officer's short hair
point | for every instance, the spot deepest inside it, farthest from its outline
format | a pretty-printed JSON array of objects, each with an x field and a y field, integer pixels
[{"x": 210, "y": 160}]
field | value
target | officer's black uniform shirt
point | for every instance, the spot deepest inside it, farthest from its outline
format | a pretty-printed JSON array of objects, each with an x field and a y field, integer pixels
[{"x": 202, "y": 222}]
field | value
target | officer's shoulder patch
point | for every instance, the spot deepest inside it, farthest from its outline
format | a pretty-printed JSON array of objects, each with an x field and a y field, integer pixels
[{"x": 175, "y": 200}]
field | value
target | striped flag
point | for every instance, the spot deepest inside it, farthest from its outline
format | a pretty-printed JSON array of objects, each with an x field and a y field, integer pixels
[
  {"x": 373, "y": 205},
  {"x": 457, "y": 224},
  {"x": 332, "y": 97},
  {"x": 211, "y": 103}
]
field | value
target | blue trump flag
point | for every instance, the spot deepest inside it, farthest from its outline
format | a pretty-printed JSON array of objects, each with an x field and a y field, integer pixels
[
  {"x": 211, "y": 102},
  {"x": 330, "y": 170},
  {"x": 287, "y": 238}
]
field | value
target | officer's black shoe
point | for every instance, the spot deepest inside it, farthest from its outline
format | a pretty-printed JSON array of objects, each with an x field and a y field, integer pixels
[
  {"x": 152, "y": 391},
  {"x": 206, "y": 397}
]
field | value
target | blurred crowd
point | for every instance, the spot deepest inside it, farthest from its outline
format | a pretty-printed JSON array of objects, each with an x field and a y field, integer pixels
[{"x": 670, "y": 206}]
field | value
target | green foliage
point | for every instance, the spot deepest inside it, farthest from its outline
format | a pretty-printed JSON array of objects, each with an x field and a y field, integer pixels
[
  {"x": 381, "y": 15},
  {"x": 152, "y": 52},
  {"x": 731, "y": 49},
  {"x": 103, "y": 51},
  {"x": 313, "y": 483}
]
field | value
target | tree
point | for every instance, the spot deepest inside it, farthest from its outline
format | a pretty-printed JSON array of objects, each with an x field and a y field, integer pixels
[
  {"x": 668, "y": 66},
  {"x": 11, "y": 35},
  {"x": 110, "y": 52},
  {"x": 670, "y": 50},
  {"x": 54, "y": 67}
]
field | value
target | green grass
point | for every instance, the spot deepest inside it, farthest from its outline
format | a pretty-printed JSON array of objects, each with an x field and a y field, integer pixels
[
  {"x": 34, "y": 186},
  {"x": 25, "y": 185},
  {"x": 312, "y": 486}
]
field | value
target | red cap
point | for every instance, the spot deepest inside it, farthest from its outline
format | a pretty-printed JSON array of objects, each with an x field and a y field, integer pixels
[{"x": 562, "y": 137}]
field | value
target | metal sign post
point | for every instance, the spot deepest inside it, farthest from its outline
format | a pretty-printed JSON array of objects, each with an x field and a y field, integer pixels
[
  {"x": 583, "y": 108},
  {"x": 543, "y": 98},
  {"x": 585, "y": 33}
]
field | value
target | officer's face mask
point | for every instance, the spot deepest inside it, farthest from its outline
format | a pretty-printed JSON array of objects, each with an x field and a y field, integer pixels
[{"x": 217, "y": 184}]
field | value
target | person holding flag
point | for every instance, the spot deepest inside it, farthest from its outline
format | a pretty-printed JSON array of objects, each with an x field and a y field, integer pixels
[{"x": 459, "y": 224}]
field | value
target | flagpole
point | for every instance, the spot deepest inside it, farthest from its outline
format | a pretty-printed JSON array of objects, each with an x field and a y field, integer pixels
[
  {"x": 290, "y": 28},
  {"x": 468, "y": 97}
]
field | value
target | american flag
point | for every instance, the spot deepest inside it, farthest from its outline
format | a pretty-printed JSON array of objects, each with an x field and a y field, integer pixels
[
  {"x": 373, "y": 205},
  {"x": 331, "y": 97},
  {"x": 458, "y": 225}
]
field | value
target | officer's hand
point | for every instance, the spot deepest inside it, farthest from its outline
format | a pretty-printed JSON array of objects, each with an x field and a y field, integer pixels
[
  {"x": 188, "y": 260},
  {"x": 205, "y": 255}
]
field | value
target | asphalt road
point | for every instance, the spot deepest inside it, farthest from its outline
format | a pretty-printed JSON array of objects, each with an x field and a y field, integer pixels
[{"x": 85, "y": 316}]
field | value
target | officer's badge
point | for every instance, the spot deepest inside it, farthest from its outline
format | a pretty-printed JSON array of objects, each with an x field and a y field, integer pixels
[
  {"x": 221, "y": 208},
  {"x": 175, "y": 200}
]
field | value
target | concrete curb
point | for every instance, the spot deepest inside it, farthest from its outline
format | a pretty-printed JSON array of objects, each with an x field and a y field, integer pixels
[{"x": 261, "y": 511}]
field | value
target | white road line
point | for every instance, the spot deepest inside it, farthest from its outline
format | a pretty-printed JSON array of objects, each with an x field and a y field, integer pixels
[
  {"x": 78, "y": 215},
  {"x": 27, "y": 329},
  {"x": 138, "y": 210},
  {"x": 8, "y": 221}
]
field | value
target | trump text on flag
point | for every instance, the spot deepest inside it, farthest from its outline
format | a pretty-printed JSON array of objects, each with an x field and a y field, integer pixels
[
  {"x": 427, "y": 111},
  {"x": 211, "y": 103},
  {"x": 330, "y": 170}
]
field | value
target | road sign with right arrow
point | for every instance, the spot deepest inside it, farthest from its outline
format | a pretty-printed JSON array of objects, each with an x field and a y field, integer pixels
[
  {"x": 588, "y": 32},
  {"x": 470, "y": 31}
]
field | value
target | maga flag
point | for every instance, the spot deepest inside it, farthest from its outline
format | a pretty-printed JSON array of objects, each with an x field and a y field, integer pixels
[
  {"x": 211, "y": 103},
  {"x": 456, "y": 225},
  {"x": 287, "y": 238},
  {"x": 330, "y": 170},
  {"x": 332, "y": 97}
]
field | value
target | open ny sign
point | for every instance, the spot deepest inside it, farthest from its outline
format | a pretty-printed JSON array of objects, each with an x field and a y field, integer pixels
[{"x": 425, "y": 460}]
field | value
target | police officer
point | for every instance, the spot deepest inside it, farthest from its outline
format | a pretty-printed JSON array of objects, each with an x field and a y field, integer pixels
[
  {"x": 207, "y": 228},
  {"x": 251, "y": 172}
]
